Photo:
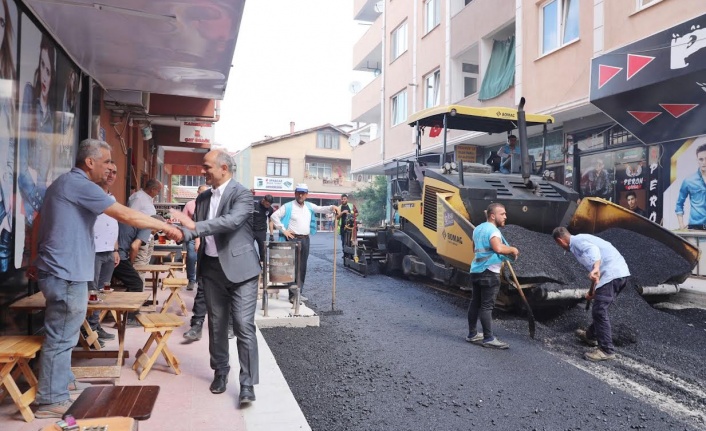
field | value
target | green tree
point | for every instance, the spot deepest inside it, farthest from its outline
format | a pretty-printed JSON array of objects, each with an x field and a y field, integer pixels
[{"x": 373, "y": 202}]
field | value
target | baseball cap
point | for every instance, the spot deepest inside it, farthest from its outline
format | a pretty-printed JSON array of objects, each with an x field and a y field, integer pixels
[{"x": 302, "y": 188}]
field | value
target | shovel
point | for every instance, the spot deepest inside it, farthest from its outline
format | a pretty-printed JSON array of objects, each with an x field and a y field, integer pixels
[
  {"x": 591, "y": 291},
  {"x": 530, "y": 315}
]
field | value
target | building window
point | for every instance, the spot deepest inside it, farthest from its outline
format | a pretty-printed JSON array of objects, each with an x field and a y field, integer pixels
[
  {"x": 317, "y": 170},
  {"x": 643, "y": 3},
  {"x": 470, "y": 78},
  {"x": 399, "y": 41},
  {"x": 399, "y": 108},
  {"x": 328, "y": 141},
  {"x": 191, "y": 180},
  {"x": 432, "y": 14},
  {"x": 432, "y": 87},
  {"x": 277, "y": 167},
  {"x": 560, "y": 24}
]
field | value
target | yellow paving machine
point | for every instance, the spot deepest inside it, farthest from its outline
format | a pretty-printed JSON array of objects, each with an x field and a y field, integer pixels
[{"x": 439, "y": 206}]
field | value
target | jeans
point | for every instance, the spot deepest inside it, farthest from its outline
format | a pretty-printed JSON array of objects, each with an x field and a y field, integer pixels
[
  {"x": 67, "y": 302},
  {"x": 191, "y": 261},
  {"x": 127, "y": 273},
  {"x": 600, "y": 329},
  {"x": 485, "y": 290},
  {"x": 104, "y": 265},
  {"x": 304, "y": 257}
]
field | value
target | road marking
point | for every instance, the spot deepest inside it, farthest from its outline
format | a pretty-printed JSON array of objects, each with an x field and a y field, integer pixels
[{"x": 661, "y": 401}]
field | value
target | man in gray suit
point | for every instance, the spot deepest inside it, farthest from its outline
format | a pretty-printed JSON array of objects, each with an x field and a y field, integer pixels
[{"x": 228, "y": 269}]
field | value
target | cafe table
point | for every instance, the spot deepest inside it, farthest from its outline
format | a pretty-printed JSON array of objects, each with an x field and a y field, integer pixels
[
  {"x": 121, "y": 303},
  {"x": 156, "y": 271}
]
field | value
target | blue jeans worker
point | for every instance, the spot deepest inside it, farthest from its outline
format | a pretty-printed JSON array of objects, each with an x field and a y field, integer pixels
[
  {"x": 609, "y": 272},
  {"x": 191, "y": 264},
  {"x": 490, "y": 250},
  {"x": 64, "y": 265}
]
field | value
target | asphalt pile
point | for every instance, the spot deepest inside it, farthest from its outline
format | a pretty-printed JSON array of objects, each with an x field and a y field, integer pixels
[{"x": 543, "y": 261}]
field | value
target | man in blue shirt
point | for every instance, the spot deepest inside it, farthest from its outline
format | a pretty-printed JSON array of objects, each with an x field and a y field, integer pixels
[
  {"x": 609, "y": 272},
  {"x": 694, "y": 188},
  {"x": 490, "y": 250},
  {"x": 506, "y": 153},
  {"x": 65, "y": 264}
]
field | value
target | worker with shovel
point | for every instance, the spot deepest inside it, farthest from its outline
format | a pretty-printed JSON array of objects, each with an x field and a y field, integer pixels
[
  {"x": 609, "y": 274},
  {"x": 490, "y": 251}
]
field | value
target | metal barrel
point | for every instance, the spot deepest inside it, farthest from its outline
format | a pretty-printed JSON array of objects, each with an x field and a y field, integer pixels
[{"x": 282, "y": 262}]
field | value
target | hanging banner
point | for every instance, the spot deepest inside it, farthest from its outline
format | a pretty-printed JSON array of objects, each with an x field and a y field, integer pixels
[
  {"x": 194, "y": 132},
  {"x": 274, "y": 183}
]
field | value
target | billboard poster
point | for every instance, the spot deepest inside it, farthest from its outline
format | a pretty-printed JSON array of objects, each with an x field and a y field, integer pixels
[
  {"x": 597, "y": 173},
  {"x": 274, "y": 183},
  {"x": 48, "y": 110},
  {"x": 631, "y": 179},
  {"x": 684, "y": 197},
  {"x": 8, "y": 129}
]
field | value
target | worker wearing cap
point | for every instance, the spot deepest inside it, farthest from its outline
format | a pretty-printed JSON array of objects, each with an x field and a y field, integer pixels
[
  {"x": 296, "y": 221},
  {"x": 506, "y": 153}
]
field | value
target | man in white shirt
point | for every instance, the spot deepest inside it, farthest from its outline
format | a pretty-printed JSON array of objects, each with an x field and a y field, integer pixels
[
  {"x": 296, "y": 221},
  {"x": 143, "y": 201},
  {"x": 105, "y": 237}
]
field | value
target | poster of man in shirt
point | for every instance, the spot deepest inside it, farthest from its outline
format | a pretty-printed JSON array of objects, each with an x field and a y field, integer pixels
[
  {"x": 597, "y": 173},
  {"x": 685, "y": 193},
  {"x": 48, "y": 108},
  {"x": 8, "y": 127}
]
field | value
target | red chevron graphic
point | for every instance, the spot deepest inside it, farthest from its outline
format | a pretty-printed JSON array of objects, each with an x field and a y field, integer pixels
[
  {"x": 606, "y": 73},
  {"x": 636, "y": 63},
  {"x": 678, "y": 109},
  {"x": 644, "y": 117}
]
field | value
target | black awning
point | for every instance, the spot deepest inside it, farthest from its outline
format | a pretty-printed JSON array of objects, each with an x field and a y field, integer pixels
[{"x": 656, "y": 87}]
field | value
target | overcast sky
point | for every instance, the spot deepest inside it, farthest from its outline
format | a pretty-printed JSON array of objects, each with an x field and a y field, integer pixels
[{"x": 292, "y": 62}]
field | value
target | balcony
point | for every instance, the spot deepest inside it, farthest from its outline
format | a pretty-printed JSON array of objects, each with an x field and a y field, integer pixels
[
  {"x": 367, "y": 51},
  {"x": 330, "y": 185},
  {"x": 366, "y": 104},
  {"x": 367, "y": 158},
  {"x": 364, "y": 10}
]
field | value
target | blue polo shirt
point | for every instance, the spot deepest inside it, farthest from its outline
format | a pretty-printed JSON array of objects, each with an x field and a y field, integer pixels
[
  {"x": 588, "y": 249},
  {"x": 694, "y": 188},
  {"x": 71, "y": 205}
]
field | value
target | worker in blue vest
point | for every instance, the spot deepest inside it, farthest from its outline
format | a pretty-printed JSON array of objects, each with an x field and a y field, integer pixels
[
  {"x": 296, "y": 221},
  {"x": 490, "y": 250}
]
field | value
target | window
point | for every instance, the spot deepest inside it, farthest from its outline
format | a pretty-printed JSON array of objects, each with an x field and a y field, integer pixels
[
  {"x": 470, "y": 78},
  {"x": 327, "y": 140},
  {"x": 191, "y": 180},
  {"x": 432, "y": 14},
  {"x": 560, "y": 24},
  {"x": 399, "y": 41},
  {"x": 642, "y": 3},
  {"x": 277, "y": 167},
  {"x": 432, "y": 90},
  {"x": 318, "y": 170},
  {"x": 399, "y": 108}
]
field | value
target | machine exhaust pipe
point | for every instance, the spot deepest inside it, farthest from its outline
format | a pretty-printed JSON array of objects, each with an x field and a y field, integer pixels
[{"x": 524, "y": 150}]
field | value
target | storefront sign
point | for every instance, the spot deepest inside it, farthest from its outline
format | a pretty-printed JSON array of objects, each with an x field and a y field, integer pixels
[
  {"x": 274, "y": 183},
  {"x": 196, "y": 132},
  {"x": 654, "y": 205},
  {"x": 465, "y": 153}
]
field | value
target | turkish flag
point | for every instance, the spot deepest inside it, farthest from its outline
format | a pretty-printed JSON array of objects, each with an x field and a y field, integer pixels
[{"x": 435, "y": 131}]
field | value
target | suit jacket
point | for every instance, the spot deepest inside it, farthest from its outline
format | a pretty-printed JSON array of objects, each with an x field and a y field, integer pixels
[{"x": 232, "y": 230}]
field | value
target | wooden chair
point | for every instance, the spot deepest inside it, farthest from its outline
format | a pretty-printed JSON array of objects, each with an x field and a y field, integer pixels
[
  {"x": 15, "y": 352},
  {"x": 175, "y": 285},
  {"x": 161, "y": 326}
]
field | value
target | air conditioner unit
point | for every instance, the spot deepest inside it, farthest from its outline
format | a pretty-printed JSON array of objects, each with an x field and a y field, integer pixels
[{"x": 133, "y": 99}]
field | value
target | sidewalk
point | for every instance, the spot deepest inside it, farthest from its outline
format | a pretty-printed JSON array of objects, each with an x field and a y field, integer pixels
[{"x": 185, "y": 402}]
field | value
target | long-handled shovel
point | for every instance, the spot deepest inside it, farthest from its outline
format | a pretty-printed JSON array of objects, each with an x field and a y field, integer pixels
[
  {"x": 530, "y": 315},
  {"x": 591, "y": 291},
  {"x": 333, "y": 311}
]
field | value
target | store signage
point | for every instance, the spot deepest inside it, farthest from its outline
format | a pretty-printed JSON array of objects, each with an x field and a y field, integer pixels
[
  {"x": 465, "y": 153},
  {"x": 194, "y": 132},
  {"x": 274, "y": 183}
]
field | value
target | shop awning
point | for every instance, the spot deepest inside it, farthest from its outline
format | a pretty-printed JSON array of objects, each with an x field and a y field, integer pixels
[{"x": 656, "y": 87}]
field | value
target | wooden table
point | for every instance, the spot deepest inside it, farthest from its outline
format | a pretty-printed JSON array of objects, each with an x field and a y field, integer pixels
[
  {"x": 134, "y": 402},
  {"x": 161, "y": 254},
  {"x": 121, "y": 303},
  {"x": 156, "y": 270}
]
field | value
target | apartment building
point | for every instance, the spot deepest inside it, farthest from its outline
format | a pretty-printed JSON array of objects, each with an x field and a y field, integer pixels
[
  {"x": 623, "y": 80},
  {"x": 319, "y": 156}
]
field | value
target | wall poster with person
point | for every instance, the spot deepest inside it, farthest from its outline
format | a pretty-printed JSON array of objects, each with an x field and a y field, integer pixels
[
  {"x": 632, "y": 179},
  {"x": 8, "y": 128},
  {"x": 683, "y": 182},
  {"x": 597, "y": 173},
  {"x": 48, "y": 109}
]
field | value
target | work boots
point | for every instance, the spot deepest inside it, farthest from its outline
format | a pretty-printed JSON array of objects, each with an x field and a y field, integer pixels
[{"x": 194, "y": 334}]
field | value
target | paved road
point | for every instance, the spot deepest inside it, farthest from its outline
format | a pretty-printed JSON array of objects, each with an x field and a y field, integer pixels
[{"x": 396, "y": 359}]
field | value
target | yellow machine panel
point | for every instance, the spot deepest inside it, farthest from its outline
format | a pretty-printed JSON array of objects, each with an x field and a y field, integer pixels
[{"x": 454, "y": 243}]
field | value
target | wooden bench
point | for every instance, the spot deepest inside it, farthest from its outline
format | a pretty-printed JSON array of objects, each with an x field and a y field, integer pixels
[
  {"x": 15, "y": 352},
  {"x": 175, "y": 285},
  {"x": 160, "y": 325}
]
